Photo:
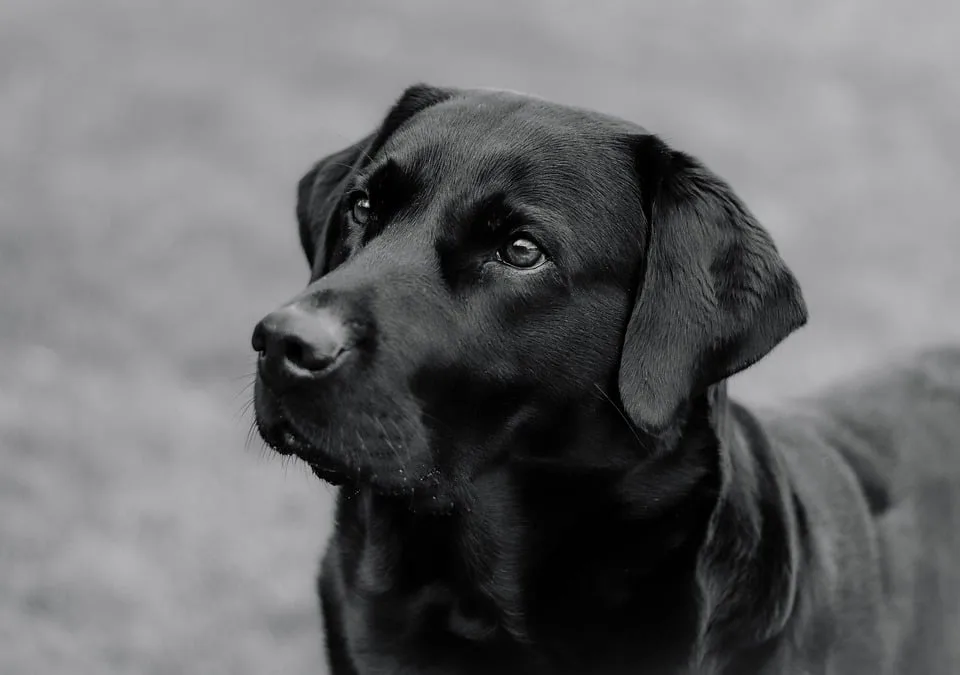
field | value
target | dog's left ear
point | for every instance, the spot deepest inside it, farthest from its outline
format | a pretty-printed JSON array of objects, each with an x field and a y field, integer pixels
[{"x": 714, "y": 297}]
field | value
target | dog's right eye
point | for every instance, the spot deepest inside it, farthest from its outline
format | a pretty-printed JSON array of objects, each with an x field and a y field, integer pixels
[{"x": 360, "y": 207}]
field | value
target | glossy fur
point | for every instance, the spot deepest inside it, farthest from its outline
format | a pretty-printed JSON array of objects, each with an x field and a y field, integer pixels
[{"x": 541, "y": 471}]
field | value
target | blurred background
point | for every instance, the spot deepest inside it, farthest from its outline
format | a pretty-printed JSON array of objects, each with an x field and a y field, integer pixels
[{"x": 149, "y": 153}]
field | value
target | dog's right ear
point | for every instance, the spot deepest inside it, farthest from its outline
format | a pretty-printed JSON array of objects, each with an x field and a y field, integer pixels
[
  {"x": 320, "y": 191},
  {"x": 318, "y": 198}
]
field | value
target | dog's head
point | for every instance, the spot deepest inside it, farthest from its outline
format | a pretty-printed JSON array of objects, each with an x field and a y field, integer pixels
[{"x": 495, "y": 279}]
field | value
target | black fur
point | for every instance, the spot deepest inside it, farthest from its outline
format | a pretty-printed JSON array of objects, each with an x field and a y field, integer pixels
[
  {"x": 542, "y": 472},
  {"x": 708, "y": 258}
]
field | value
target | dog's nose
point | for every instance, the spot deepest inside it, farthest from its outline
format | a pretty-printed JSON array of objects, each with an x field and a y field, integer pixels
[{"x": 299, "y": 342}]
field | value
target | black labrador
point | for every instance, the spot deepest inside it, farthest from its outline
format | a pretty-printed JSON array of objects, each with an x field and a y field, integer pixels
[{"x": 512, "y": 355}]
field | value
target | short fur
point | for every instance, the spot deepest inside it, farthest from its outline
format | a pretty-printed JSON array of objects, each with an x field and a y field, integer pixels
[{"x": 542, "y": 472}]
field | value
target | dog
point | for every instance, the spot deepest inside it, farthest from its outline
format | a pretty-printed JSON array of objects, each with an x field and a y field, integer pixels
[{"x": 512, "y": 356}]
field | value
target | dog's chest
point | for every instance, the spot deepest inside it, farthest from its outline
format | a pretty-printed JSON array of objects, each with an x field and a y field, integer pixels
[
  {"x": 435, "y": 630},
  {"x": 404, "y": 604},
  {"x": 428, "y": 630}
]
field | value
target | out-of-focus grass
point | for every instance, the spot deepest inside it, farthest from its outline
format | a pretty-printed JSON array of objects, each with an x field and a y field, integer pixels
[{"x": 148, "y": 153}]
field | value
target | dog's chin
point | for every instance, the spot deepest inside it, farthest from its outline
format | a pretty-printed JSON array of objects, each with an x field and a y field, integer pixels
[{"x": 420, "y": 491}]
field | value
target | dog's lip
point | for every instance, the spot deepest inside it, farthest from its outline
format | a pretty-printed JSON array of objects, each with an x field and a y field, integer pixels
[
  {"x": 286, "y": 439},
  {"x": 276, "y": 428},
  {"x": 284, "y": 435},
  {"x": 281, "y": 438},
  {"x": 294, "y": 442}
]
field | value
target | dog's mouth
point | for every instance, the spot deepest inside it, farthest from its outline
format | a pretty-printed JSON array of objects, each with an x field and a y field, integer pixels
[
  {"x": 282, "y": 436},
  {"x": 412, "y": 478}
]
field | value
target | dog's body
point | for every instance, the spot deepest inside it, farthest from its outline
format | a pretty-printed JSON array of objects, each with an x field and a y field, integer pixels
[
  {"x": 513, "y": 354},
  {"x": 861, "y": 575},
  {"x": 874, "y": 467}
]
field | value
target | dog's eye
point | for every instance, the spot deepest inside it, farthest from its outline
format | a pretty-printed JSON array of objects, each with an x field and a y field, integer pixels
[
  {"x": 360, "y": 208},
  {"x": 521, "y": 253}
]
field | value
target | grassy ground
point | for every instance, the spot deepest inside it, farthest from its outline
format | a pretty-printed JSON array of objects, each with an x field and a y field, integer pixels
[{"x": 148, "y": 154}]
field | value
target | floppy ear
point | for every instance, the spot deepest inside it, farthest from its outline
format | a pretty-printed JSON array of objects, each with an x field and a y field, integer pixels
[
  {"x": 715, "y": 295},
  {"x": 320, "y": 190},
  {"x": 318, "y": 198}
]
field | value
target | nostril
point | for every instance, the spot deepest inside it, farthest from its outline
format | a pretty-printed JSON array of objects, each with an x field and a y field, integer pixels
[
  {"x": 313, "y": 356},
  {"x": 294, "y": 350},
  {"x": 259, "y": 339}
]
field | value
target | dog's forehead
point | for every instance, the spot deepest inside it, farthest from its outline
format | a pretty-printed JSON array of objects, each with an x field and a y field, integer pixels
[
  {"x": 485, "y": 129},
  {"x": 573, "y": 168}
]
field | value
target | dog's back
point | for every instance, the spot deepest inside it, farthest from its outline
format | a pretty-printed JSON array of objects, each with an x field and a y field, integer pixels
[{"x": 894, "y": 438}]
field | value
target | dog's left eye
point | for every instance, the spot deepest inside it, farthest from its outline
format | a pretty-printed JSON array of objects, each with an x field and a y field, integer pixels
[
  {"x": 521, "y": 253},
  {"x": 360, "y": 208}
]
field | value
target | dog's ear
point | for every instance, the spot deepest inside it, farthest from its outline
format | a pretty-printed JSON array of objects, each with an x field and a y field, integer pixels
[
  {"x": 714, "y": 294},
  {"x": 319, "y": 191},
  {"x": 318, "y": 197}
]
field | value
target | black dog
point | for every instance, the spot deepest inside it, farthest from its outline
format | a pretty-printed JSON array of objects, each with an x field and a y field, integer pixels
[{"x": 512, "y": 354}]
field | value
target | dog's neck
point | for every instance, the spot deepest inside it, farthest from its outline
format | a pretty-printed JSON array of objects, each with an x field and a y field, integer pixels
[{"x": 576, "y": 564}]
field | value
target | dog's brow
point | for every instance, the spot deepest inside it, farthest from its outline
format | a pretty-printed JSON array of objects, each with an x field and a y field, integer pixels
[
  {"x": 499, "y": 211},
  {"x": 376, "y": 172},
  {"x": 391, "y": 186},
  {"x": 484, "y": 213}
]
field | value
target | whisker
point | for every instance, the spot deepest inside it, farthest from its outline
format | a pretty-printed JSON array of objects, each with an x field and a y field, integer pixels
[
  {"x": 244, "y": 409},
  {"x": 437, "y": 421},
  {"x": 396, "y": 428},
  {"x": 342, "y": 165},
  {"x": 245, "y": 388},
  {"x": 323, "y": 441},
  {"x": 251, "y": 433},
  {"x": 606, "y": 397},
  {"x": 386, "y": 437},
  {"x": 363, "y": 446},
  {"x": 360, "y": 147}
]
